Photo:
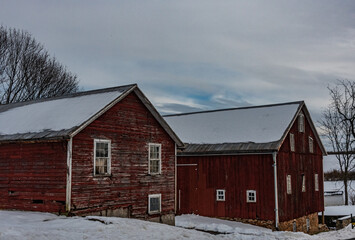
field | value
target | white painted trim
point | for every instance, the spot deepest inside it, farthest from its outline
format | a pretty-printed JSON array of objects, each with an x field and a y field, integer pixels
[
  {"x": 187, "y": 164},
  {"x": 160, "y": 160},
  {"x": 69, "y": 175},
  {"x": 251, "y": 201},
  {"x": 289, "y": 184},
  {"x": 316, "y": 182},
  {"x": 292, "y": 142},
  {"x": 224, "y": 195},
  {"x": 274, "y": 156},
  {"x": 109, "y": 156},
  {"x": 175, "y": 177},
  {"x": 310, "y": 144},
  {"x": 154, "y": 196}
]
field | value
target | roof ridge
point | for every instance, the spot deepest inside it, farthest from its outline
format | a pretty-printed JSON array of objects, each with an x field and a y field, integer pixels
[
  {"x": 5, "y": 107},
  {"x": 231, "y": 109}
]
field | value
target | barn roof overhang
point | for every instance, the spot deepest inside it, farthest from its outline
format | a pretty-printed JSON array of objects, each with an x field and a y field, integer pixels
[{"x": 229, "y": 149}]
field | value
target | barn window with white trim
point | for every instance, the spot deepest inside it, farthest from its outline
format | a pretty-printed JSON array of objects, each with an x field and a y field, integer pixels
[
  {"x": 154, "y": 203},
  {"x": 251, "y": 196},
  {"x": 154, "y": 158},
  {"x": 102, "y": 157}
]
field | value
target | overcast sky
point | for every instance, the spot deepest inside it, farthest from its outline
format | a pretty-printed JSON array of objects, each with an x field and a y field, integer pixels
[{"x": 192, "y": 55}]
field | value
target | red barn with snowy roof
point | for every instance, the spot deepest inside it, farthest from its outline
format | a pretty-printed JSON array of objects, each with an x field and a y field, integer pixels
[
  {"x": 105, "y": 152},
  {"x": 257, "y": 164}
]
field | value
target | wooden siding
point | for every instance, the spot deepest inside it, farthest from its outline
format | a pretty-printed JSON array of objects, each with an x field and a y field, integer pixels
[
  {"x": 197, "y": 185},
  {"x": 130, "y": 127},
  {"x": 33, "y": 176},
  {"x": 295, "y": 164}
]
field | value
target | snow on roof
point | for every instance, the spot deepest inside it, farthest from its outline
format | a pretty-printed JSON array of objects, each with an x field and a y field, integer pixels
[
  {"x": 262, "y": 124},
  {"x": 55, "y": 114}
]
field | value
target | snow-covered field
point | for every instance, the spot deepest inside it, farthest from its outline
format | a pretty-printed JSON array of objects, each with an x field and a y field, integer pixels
[
  {"x": 339, "y": 186},
  {"x": 34, "y": 225}
]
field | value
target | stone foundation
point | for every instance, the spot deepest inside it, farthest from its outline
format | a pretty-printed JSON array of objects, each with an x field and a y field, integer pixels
[
  {"x": 298, "y": 224},
  {"x": 308, "y": 224}
]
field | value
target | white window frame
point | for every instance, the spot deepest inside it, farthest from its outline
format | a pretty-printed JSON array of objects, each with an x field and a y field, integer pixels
[
  {"x": 109, "y": 156},
  {"x": 288, "y": 184},
  {"x": 251, "y": 200},
  {"x": 292, "y": 142},
  {"x": 159, "y": 159},
  {"x": 301, "y": 126},
  {"x": 316, "y": 182},
  {"x": 303, "y": 183},
  {"x": 310, "y": 144},
  {"x": 220, "y": 195},
  {"x": 154, "y": 196}
]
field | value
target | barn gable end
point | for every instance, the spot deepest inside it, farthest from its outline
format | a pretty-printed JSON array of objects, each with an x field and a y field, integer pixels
[
  {"x": 244, "y": 154},
  {"x": 58, "y": 150}
]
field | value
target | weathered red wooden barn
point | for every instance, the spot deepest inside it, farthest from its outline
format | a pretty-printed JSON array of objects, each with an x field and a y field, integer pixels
[
  {"x": 257, "y": 164},
  {"x": 105, "y": 152}
]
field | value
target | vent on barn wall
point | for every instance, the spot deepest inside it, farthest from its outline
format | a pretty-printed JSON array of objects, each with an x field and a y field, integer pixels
[{"x": 294, "y": 226}]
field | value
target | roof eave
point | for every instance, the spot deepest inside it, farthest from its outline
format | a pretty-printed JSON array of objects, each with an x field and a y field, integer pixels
[{"x": 158, "y": 117}]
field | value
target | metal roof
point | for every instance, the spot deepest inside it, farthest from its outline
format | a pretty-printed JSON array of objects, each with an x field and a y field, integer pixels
[
  {"x": 63, "y": 117},
  {"x": 256, "y": 129}
]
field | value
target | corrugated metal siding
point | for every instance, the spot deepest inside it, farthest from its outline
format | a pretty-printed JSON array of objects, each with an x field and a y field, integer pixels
[{"x": 197, "y": 186}]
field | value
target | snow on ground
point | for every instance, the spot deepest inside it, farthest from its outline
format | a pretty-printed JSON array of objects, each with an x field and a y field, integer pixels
[{"x": 33, "y": 225}]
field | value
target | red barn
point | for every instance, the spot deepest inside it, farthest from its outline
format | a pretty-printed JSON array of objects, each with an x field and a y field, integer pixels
[
  {"x": 105, "y": 152},
  {"x": 261, "y": 165}
]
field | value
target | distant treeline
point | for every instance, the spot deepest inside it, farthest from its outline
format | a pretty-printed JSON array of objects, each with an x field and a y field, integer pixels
[{"x": 336, "y": 175}]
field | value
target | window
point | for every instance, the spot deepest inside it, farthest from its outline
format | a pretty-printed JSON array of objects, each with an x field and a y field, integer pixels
[
  {"x": 251, "y": 196},
  {"x": 221, "y": 195},
  {"x": 303, "y": 183},
  {"x": 154, "y": 158},
  {"x": 102, "y": 159},
  {"x": 292, "y": 142},
  {"x": 316, "y": 182},
  {"x": 154, "y": 203},
  {"x": 289, "y": 186},
  {"x": 310, "y": 143},
  {"x": 301, "y": 123}
]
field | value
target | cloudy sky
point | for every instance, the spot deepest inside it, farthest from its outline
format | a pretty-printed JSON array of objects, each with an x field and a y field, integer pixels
[{"x": 192, "y": 55}]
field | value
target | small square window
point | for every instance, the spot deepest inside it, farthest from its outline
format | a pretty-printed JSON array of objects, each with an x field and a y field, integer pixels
[
  {"x": 102, "y": 157},
  {"x": 154, "y": 158},
  {"x": 310, "y": 143},
  {"x": 251, "y": 196},
  {"x": 154, "y": 203},
  {"x": 301, "y": 123},
  {"x": 289, "y": 186},
  {"x": 221, "y": 195},
  {"x": 316, "y": 182},
  {"x": 292, "y": 142}
]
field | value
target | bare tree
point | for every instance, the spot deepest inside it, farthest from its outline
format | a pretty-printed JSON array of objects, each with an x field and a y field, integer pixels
[
  {"x": 27, "y": 71},
  {"x": 338, "y": 125}
]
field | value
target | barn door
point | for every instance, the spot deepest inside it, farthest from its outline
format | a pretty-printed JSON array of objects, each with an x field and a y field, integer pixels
[{"x": 187, "y": 197}]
